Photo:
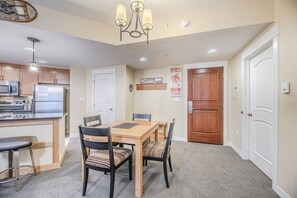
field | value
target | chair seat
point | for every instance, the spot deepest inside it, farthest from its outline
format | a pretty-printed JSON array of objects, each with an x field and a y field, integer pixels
[
  {"x": 14, "y": 145},
  {"x": 154, "y": 149},
  {"x": 101, "y": 158}
]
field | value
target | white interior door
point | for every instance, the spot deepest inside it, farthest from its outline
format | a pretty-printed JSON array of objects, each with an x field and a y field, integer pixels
[
  {"x": 104, "y": 95},
  {"x": 262, "y": 112}
]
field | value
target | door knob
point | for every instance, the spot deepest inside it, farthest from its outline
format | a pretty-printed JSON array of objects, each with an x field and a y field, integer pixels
[
  {"x": 110, "y": 109},
  {"x": 250, "y": 114}
]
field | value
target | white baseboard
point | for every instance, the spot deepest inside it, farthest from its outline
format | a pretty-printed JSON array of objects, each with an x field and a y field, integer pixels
[
  {"x": 280, "y": 191},
  {"x": 73, "y": 135},
  {"x": 182, "y": 139},
  {"x": 236, "y": 149}
]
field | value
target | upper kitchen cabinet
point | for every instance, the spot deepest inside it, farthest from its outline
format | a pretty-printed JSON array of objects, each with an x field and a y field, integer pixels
[
  {"x": 27, "y": 80},
  {"x": 54, "y": 76},
  {"x": 9, "y": 73}
]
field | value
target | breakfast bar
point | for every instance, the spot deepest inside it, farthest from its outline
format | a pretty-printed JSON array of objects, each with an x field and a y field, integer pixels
[{"x": 49, "y": 128}]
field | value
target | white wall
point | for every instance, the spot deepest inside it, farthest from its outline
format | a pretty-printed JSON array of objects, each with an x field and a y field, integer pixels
[
  {"x": 77, "y": 94},
  {"x": 130, "y": 96},
  {"x": 286, "y": 19},
  {"x": 158, "y": 102}
]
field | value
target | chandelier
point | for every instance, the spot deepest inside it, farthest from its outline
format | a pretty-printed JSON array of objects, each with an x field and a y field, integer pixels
[
  {"x": 17, "y": 11},
  {"x": 33, "y": 64},
  {"x": 139, "y": 27}
]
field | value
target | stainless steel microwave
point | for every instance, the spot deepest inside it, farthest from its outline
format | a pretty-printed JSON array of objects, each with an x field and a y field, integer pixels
[{"x": 9, "y": 88}]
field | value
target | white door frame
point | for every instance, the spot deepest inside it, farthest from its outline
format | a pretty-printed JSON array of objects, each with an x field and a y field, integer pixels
[
  {"x": 185, "y": 87},
  {"x": 269, "y": 38},
  {"x": 102, "y": 71}
]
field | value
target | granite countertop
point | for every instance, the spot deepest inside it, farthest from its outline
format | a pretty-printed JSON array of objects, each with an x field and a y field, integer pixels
[{"x": 30, "y": 116}]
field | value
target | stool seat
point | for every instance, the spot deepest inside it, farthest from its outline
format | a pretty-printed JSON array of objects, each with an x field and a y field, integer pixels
[
  {"x": 15, "y": 145},
  {"x": 12, "y": 145}
]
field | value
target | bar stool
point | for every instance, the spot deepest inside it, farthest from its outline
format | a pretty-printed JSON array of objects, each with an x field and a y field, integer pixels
[{"x": 13, "y": 145}]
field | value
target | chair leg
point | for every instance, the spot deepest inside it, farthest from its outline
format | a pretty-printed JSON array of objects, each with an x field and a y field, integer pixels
[
  {"x": 112, "y": 175},
  {"x": 10, "y": 157},
  {"x": 130, "y": 168},
  {"x": 85, "y": 181},
  {"x": 16, "y": 158},
  {"x": 33, "y": 160},
  {"x": 169, "y": 160},
  {"x": 165, "y": 172}
]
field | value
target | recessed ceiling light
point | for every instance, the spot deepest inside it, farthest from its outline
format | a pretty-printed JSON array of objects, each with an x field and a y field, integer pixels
[
  {"x": 212, "y": 51},
  {"x": 42, "y": 61},
  {"x": 143, "y": 59},
  {"x": 29, "y": 49}
]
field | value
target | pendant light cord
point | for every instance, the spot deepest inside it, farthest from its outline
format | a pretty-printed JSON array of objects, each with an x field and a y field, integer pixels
[{"x": 33, "y": 52}]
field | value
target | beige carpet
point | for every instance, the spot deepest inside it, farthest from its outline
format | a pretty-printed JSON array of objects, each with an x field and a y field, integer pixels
[{"x": 199, "y": 170}]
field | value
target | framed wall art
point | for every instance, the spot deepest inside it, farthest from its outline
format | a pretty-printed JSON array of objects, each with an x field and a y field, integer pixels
[{"x": 175, "y": 81}]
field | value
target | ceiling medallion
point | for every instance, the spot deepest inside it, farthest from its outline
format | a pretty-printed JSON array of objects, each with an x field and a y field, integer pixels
[
  {"x": 139, "y": 27},
  {"x": 17, "y": 11}
]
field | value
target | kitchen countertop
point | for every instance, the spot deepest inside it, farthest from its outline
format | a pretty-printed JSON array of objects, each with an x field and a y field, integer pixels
[{"x": 30, "y": 116}]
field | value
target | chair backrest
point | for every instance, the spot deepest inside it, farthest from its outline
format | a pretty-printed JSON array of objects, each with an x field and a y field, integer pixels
[
  {"x": 97, "y": 139},
  {"x": 139, "y": 116},
  {"x": 169, "y": 137},
  {"x": 92, "y": 121}
]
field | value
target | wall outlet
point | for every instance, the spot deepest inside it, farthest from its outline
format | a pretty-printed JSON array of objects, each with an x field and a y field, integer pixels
[{"x": 237, "y": 132}]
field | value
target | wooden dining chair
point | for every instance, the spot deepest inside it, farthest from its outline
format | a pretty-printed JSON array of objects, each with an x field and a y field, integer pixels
[
  {"x": 139, "y": 116},
  {"x": 160, "y": 151},
  {"x": 94, "y": 121},
  {"x": 105, "y": 158}
]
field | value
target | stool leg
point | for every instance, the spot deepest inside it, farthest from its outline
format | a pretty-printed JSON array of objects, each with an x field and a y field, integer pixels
[
  {"x": 16, "y": 159},
  {"x": 32, "y": 159},
  {"x": 10, "y": 171}
]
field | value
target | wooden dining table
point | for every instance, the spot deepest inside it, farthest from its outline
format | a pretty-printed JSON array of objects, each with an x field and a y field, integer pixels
[{"x": 134, "y": 135}]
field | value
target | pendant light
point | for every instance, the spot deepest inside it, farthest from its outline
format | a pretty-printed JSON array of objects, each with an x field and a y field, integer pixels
[{"x": 33, "y": 64}]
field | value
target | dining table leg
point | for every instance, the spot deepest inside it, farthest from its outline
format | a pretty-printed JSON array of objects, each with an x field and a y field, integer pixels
[
  {"x": 157, "y": 135},
  {"x": 138, "y": 169}
]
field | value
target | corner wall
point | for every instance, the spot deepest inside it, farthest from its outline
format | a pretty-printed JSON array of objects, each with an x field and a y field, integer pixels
[
  {"x": 158, "y": 102},
  {"x": 77, "y": 98},
  {"x": 286, "y": 19}
]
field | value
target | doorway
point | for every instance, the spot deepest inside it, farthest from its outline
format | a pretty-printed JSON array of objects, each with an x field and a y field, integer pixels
[
  {"x": 260, "y": 104},
  {"x": 205, "y": 105},
  {"x": 104, "y": 94},
  {"x": 261, "y": 109}
]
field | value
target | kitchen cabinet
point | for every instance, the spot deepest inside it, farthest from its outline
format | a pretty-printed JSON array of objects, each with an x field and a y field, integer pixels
[
  {"x": 27, "y": 80},
  {"x": 53, "y": 76},
  {"x": 9, "y": 73}
]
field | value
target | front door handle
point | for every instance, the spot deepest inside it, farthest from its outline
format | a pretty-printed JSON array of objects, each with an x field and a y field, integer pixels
[
  {"x": 190, "y": 106},
  {"x": 250, "y": 114}
]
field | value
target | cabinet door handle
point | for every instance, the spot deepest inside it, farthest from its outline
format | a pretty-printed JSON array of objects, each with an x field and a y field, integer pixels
[{"x": 250, "y": 114}]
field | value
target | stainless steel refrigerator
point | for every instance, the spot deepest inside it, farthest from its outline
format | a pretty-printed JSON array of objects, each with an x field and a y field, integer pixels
[{"x": 49, "y": 99}]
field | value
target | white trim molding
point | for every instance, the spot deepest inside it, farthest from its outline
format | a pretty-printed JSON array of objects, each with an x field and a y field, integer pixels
[
  {"x": 181, "y": 139},
  {"x": 236, "y": 149},
  {"x": 185, "y": 87}
]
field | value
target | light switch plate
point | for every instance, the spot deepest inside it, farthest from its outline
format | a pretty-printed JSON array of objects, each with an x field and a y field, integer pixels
[{"x": 286, "y": 87}]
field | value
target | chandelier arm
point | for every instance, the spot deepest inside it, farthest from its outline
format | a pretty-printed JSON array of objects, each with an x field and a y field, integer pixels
[
  {"x": 126, "y": 29},
  {"x": 145, "y": 33}
]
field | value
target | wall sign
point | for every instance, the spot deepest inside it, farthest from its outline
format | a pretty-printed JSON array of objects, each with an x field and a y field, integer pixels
[
  {"x": 175, "y": 81},
  {"x": 155, "y": 80}
]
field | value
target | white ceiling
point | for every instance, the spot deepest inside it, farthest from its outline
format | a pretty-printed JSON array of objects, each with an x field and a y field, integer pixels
[
  {"x": 64, "y": 50},
  {"x": 104, "y": 10}
]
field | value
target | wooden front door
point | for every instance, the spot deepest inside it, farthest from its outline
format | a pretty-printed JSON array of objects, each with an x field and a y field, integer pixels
[{"x": 205, "y": 105}]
